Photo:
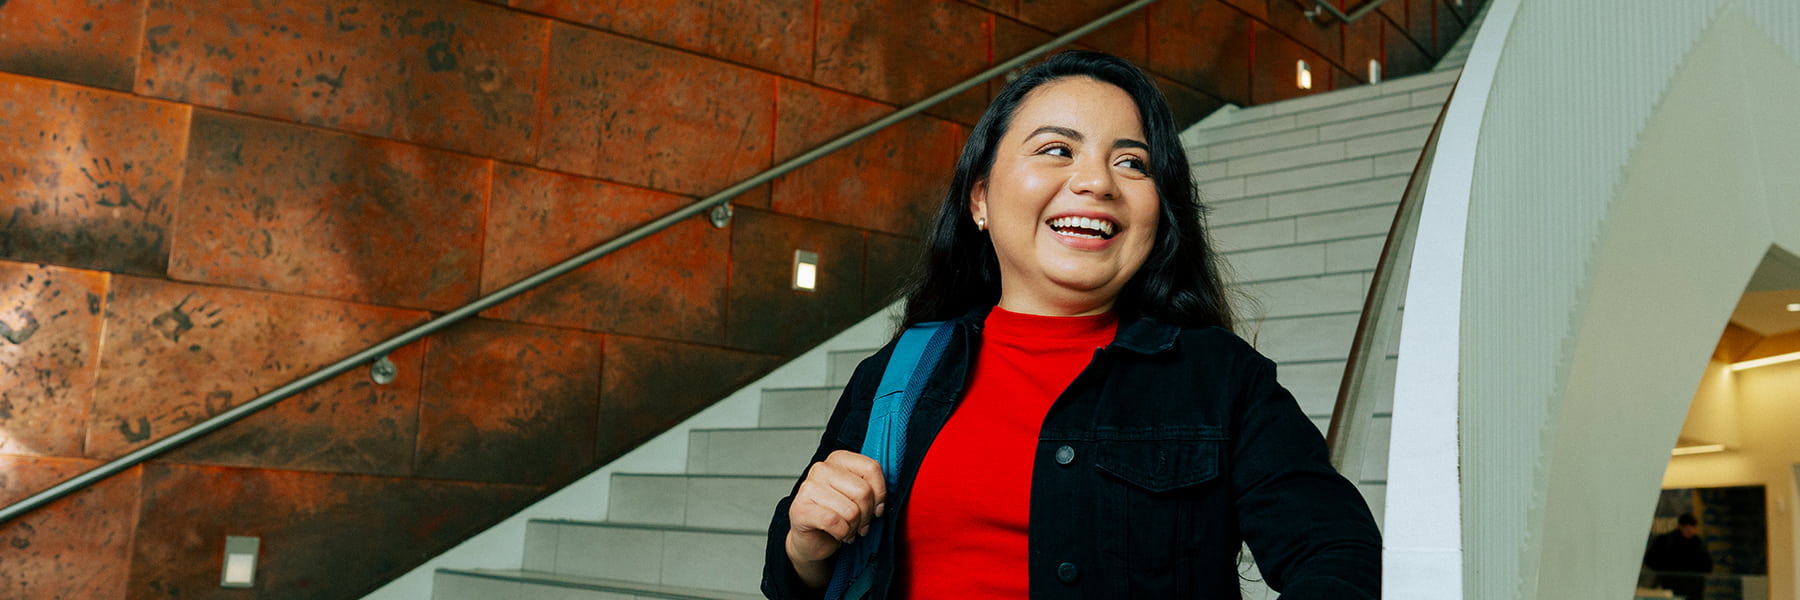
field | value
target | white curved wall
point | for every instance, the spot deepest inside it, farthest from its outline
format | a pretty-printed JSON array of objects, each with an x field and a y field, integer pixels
[{"x": 1635, "y": 161}]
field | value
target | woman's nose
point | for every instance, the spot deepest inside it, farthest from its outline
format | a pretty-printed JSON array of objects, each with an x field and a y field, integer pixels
[{"x": 1094, "y": 178}]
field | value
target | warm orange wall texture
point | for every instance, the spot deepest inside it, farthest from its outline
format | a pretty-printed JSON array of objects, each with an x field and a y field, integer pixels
[{"x": 201, "y": 201}]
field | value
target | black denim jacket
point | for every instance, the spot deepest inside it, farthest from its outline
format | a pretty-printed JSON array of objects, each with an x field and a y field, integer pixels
[{"x": 1173, "y": 447}]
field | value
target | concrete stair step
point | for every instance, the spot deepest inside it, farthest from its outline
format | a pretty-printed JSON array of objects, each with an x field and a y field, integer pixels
[
  {"x": 798, "y": 407},
  {"x": 705, "y": 501},
  {"x": 760, "y": 451},
  {"x": 1317, "y": 227},
  {"x": 1286, "y": 131},
  {"x": 1238, "y": 122},
  {"x": 1309, "y": 151},
  {"x": 841, "y": 365},
  {"x": 727, "y": 560},
  {"x": 516, "y": 584}
]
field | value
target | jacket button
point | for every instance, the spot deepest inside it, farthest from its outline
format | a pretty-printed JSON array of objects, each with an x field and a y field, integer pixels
[
  {"x": 1066, "y": 572},
  {"x": 1065, "y": 455}
]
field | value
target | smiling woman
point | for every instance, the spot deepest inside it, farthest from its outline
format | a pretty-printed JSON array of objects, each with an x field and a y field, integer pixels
[{"x": 1093, "y": 428}]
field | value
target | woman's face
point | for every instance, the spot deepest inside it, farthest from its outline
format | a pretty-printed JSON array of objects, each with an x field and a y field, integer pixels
[{"x": 1070, "y": 205}]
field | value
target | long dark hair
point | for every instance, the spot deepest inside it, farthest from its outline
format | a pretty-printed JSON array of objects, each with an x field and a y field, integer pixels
[{"x": 1179, "y": 283}]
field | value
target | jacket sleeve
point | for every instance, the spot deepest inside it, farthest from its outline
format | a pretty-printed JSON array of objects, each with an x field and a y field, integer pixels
[
  {"x": 1309, "y": 528},
  {"x": 780, "y": 581}
]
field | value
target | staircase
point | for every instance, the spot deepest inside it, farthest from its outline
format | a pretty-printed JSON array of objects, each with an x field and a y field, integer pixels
[
  {"x": 698, "y": 533},
  {"x": 1303, "y": 193}
]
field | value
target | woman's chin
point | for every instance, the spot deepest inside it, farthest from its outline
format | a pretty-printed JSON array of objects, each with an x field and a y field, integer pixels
[{"x": 1085, "y": 288}]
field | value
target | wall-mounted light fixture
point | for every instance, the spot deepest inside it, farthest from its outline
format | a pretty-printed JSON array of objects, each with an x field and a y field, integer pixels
[
  {"x": 1374, "y": 71},
  {"x": 1303, "y": 74},
  {"x": 1795, "y": 307},
  {"x": 240, "y": 562},
  {"x": 806, "y": 270},
  {"x": 1687, "y": 450},
  {"x": 1766, "y": 361}
]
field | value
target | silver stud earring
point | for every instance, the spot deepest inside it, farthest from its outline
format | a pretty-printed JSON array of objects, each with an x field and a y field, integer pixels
[{"x": 981, "y": 223}]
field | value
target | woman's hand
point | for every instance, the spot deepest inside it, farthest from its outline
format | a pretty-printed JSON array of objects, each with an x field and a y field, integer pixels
[{"x": 833, "y": 507}]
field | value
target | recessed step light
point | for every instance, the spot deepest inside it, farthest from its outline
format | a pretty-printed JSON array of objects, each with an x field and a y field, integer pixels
[{"x": 806, "y": 270}]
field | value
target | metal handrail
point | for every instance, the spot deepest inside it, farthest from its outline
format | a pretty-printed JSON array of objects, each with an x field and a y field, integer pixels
[
  {"x": 1386, "y": 288},
  {"x": 1324, "y": 6},
  {"x": 718, "y": 202}
]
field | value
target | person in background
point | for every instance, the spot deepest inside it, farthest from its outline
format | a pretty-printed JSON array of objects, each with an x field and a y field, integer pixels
[
  {"x": 1680, "y": 560},
  {"x": 1094, "y": 429}
]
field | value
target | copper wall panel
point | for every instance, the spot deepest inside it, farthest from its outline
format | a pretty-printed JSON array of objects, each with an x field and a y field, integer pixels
[
  {"x": 650, "y": 385},
  {"x": 509, "y": 403},
  {"x": 1322, "y": 34},
  {"x": 88, "y": 178},
  {"x": 767, "y": 314},
  {"x": 293, "y": 209},
  {"x": 1362, "y": 43},
  {"x": 90, "y": 42},
  {"x": 1126, "y": 37},
  {"x": 808, "y": 115},
  {"x": 1004, "y": 7},
  {"x": 1404, "y": 55},
  {"x": 349, "y": 425},
  {"x": 1276, "y": 69},
  {"x": 49, "y": 337},
  {"x": 899, "y": 51},
  {"x": 774, "y": 35},
  {"x": 176, "y": 354},
  {"x": 1420, "y": 17},
  {"x": 1204, "y": 45},
  {"x": 322, "y": 535},
  {"x": 893, "y": 262},
  {"x": 671, "y": 285},
  {"x": 76, "y": 547},
  {"x": 649, "y": 116},
  {"x": 899, "y": 173},
  {"x": 1188, "y": 104},
  {"x": 444, "y": 73},
  {"x": 1258, "y": 9}
]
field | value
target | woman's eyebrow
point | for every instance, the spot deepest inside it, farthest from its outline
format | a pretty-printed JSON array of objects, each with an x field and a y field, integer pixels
[
  {"x": 1130, "y": 143},
  {"x": 1062, "y": 131},
  {"x": 1076, "y": 135}
]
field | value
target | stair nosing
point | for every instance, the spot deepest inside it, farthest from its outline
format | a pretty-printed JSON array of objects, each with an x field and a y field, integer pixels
[
  {"x": 705, "y": 475},
  {"x": 804, "y": 388},
  {"x": 652, "y": 527},
  {"x": 818, "y": 428},
  {"x": 596, "y": 584}
]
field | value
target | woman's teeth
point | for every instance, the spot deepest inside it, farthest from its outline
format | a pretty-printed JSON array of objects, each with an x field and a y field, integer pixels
[{"x": 1083, "y": 227}]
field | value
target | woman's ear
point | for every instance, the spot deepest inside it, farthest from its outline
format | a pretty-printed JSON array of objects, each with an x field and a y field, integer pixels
[{"x": 978, "y": 204}]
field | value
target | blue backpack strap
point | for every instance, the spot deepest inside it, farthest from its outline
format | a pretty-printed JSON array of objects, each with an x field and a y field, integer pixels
[{"x": 909, "y": 368}]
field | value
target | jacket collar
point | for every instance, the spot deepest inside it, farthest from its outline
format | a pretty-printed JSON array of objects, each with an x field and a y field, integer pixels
[{"x": 1143, "y": 335}]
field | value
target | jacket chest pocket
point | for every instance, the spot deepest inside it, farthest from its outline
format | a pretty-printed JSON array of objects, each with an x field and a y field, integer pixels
[
  {"x": 1162, "y": 465},
  {"x": 1165, "y": 500}
]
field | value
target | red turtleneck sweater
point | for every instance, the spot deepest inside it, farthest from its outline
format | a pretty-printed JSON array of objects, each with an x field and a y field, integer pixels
[{"x": 967, "y": 520}]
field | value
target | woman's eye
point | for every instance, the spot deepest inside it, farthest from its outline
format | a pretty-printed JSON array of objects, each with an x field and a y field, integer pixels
[
  {"x": 1135, "y": 164},
  {"x": 1062, "y": 151}
]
